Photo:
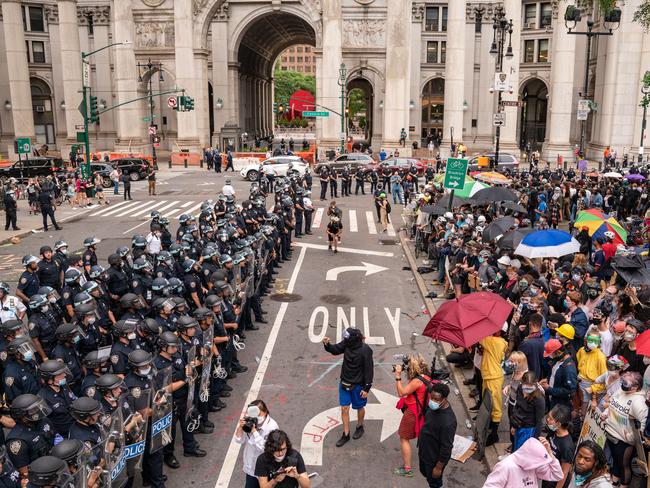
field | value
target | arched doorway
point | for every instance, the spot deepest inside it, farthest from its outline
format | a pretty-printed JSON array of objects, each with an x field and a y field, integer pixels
[
  {"x": 433, "y": 109},
  {"x": 43, "y": 113},
  {"x": 534, "y": 95},
  {"x": 359, "y": 104}
]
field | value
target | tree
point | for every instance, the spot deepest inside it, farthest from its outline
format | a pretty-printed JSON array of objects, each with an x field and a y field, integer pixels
[
  {"x": 642, "y": 15},
  {"x": 288, "y": 82}
]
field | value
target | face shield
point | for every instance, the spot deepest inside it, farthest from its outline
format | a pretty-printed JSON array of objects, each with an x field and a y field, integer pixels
[{"x": 38, "y": 411}]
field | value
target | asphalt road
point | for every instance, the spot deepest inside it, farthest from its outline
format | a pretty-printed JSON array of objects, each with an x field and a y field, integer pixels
[{"x": 288, "y": 367}]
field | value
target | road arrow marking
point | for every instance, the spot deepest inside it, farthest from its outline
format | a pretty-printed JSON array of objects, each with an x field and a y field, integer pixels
[
  {"x": 369, "y": 268},
  {"x": 313, "y": 435}
]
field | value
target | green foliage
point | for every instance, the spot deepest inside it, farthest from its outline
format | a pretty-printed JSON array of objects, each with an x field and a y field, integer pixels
[
  {"x": 356, "y": 102},
  {"x": 642, "y": 15},
  {"x": 288, "y": 82},
  {"x": 606, "y": 5}
]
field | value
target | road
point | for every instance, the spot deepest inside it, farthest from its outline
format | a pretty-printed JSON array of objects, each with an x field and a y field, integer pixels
[{"x": 316, "y": 294}]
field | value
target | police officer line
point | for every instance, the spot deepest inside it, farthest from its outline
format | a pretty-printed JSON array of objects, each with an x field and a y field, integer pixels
[
  {"x": 351, "y": 223},
  {"x": 141, "y": 209}
]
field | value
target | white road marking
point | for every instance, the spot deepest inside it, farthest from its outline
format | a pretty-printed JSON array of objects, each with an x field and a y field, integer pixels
[
  {"x": 148, "y": 207},
  {"x": 110, "y": 207},
  {"x": 172, "y": 212},
  {"x": 370, "y": 218},
  {"x": 345, "y": 249},
  {"x": 353, "y": 221},
  {"x": 192, "y": 209},
  {"x": 369, "y": 268},
  {"x": 171, "y": 204},
  {"x": 391, "y": 230},
  {"x": 231, "y": 460},
  {"x": 121, "y": 209},
  {"x": 318, "y": 218}
]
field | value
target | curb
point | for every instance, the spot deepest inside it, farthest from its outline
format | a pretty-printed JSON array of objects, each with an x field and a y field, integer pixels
[
  {"x": 30, "y": 232},
  {"x": 491, "y": 453}
]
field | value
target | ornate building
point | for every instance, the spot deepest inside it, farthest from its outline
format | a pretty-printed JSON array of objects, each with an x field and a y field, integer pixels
[{"x": 425, "y": 66}]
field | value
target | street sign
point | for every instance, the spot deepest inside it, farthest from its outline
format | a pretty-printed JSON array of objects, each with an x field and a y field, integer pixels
[
  {"x": 152, "y": 130},
  {"x": 86, "y": 73},
  {"x": 502, "y": 82},
  {"x": 455, "y": 174},
  {"x": 172, "y": 102},
  {"x": 499, "y": 119},
  {"x": 310, "y": 113},
  {"x": 79, "y": 127},
  {"x": 23, "y": 145},
  {"x": 81, "y": 137},
  {"x": 146, "y": 119},
  {"x": 82, "y": 108},
  {"x": 512, "y": 103},
  {"x": 583, "y": 110}
]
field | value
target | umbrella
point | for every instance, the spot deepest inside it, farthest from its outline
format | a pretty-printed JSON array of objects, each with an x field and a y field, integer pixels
[
  {"x": 598, "y": 223},
  {"x": 612, "y": 174},
  {"x": 635, "y": 177},
  {"x": 470, "y": 189},
  {"x": 515, "y": 207},
  {"x": 492, "y": 177},
  {"x": 442, "y": 205},
  {"x": 632, "y": 268},
  {"x": 511, "y": 239},
  {"x": 593, "y": 174},
  {"x": 642, "y": 343},
  {"x": 551, "y": 243},
  {"x": 498, "y": 227},
  {"x": 467, "y": 320},
  {"x": 494, "y": 194}
]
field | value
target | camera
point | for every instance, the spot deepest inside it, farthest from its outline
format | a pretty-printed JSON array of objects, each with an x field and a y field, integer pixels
[
  {"x": 249, "y": 423},
  {"x": 273, "y": 474},
  {"x": 401, "y": 357}
]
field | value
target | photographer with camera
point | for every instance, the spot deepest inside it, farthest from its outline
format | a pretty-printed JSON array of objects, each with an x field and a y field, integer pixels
[
  {"x": 356, "y": 378},
  {"x": 280, "y": 464},
  {"x": 413, "y": 399},
  {"x": 252, "y": 431}
]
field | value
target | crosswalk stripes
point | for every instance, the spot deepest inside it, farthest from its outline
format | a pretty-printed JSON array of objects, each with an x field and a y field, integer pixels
[
  {"x": 353, "y": 221},
  {"x": 318, "y": 218},
  {"x": 149, "y": 207},
  {"x": 106, "y": 209},
  {"x": 177, "y": 210},
  {"x": 122, "y": 208},
  {"x": 164, "y": 207},
  {"x": 370, "y": 219}
]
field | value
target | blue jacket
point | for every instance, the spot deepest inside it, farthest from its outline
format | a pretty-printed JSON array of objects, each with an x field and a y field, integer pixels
[
  {"x": 580, "y": 324},
  {"x": 565, "y": 384},
  {"x": 533, "y": 348}
]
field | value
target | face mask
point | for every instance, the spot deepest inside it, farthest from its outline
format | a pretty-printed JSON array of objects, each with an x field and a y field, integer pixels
[
  {"x": 646, "y": 360},
  {"x": 551, "y": 427},
  {"x": 145, "y": 371},
  {"x": 629, "y": 336},
  {"x": 63, "y": 251},
  {"x": 561, "y": 276},
  {"x": 481, "y": 260},
  {"x": 76, "y": 339},
  {"x": 29, "y": 355},
  {"x": 576, "y": 277},
  {"x": 45, "y": 308},
  {"x": 62, "y": 382},
  {"x": 278, "y": 459},
  {"x": 51, "y": 300},
  {"x": 434, "y": 405},
  {"x": 523, "y": 284},
  {"x": 592, "y": 345},
  {"x": 625, "y": 386},
  {"x": 534, "y": 292},
  {"x": 528, "y": 389},
  {"x": 592, "y": 293},
  {"x": 91, "y": 320},
  {"x": 260, "y": 420},
  {"x": 567, "y": 304},
  {"x": 579, "y": 479},
  {"x": 131, "y": 336}
]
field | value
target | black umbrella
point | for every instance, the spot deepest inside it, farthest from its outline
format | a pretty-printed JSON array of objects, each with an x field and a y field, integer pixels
[
  {"x": 498, "y": 227},
  {"x": 456, "y": 202},
  {"x": 493, "y": 194},
  {"x": 632, "y": 268},
  {"x": 512, "y": 238},
  {"x": 515, "y": 207},
  {"x": 434, "y": 209}
]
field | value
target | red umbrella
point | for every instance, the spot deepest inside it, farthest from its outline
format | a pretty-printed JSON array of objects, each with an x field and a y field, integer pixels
[
  {"x": 643, "y": 343},
  {"x": 469, "y": 319}
]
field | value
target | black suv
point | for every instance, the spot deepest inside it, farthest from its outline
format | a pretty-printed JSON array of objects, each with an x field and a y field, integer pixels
[
  {"x": 354, "y": 160},
  {"x": 33, "y": 167},
  {"x": 136, "y": 168},
  {"x": 104, "y": 170}
]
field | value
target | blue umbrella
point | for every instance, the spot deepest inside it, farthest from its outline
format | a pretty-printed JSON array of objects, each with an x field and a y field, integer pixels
[{"x": 551, "y": 243}]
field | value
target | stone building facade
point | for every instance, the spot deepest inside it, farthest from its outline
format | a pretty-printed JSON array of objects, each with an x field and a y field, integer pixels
[{"x": 425, "y": 66}]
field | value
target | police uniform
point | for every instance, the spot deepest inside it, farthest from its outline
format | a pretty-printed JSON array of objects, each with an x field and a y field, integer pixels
[
  {"x": 88, "y": 386},
  {"x": 25, "y": 444},
  {"x": 59, "y": 402},
  {"x": 141, "y": 285},
  {"x": 164, "y": 271},
  {"x": 29, "y": 283},
  {"x": 166, "y": 323},
  {"x": 206, "y": 271},
  {"x": 70, "y": 356},
  {"x": 49, "y": 273},
  {"x": 91, "y": 436},
  {"x": 19, "y": 379},
  {"x": 68, "y": 294},
  {"x": 117, "y": 282},
  {"x": 192, "y": 285},
  {"x": 89, "y": 258},
  {"x": 9, "y": 476},
  {"x": 90, "y": 339},
  {"x": 62, "y": 259},
  {"x": 120, "y": 356},
  {"x": 299, "y": 212}
]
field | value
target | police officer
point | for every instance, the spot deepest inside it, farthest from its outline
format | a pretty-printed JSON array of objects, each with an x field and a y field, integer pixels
[
  {"x": 132, "y": 307},
  {"x": 9, "y": 476},
  {"x": 68, "y": 337},
  {"x": 70, "y": 451},
  {"x": 46, "y": 201},
  {"x": 324, "y": 177},
  {"x": 210, "y": 257},
  {"x": 57, "y": 394},
  {"x": 55, "y": 309},
  {"x": 19, "y": 375},
  {"x": 147, "y": 333},
  {"x": 159, "y": 289},
  {"x": 89, "y": 256},
  {"x": 91, "y": 338},
  {"x": 164, "y": 265},
  {"x": 49, "y": 472},
  {"x": 11, "y": 210},
  {"x": 125, "y": 254},
  {"x": 169, "y": 356},
  {"x": 28, "y": 283},
  {"x": 103, "y": 312},
  {"x": 41, "y": 327},
  {"x": 184, "y": 221},
  {"x": 61, "y": 257},
  {"x": 117, "y": 282},
  {"x": 166, "y": 239},
  {"x": 9, "y": 330},
  {"x": 94, "y": 365},
  {"x": 345, "y": 179},
  {"x": 86, "y": 412},
  {"x": 125, "y": 343},
  {"x": 308, "y": 211},
  {"x": 138, "y": 246},
  {"x": 165, "y": 317},
  {"x": 139, "y": 380},
  {"x": 299, "y": 206},
  {"x": 33, "y": 435},
  {"x": 70, "y": 290},
  {"x": 221, "y": 340},
  {"x": 142, "y": 279},
  {"x": 192, "y": 282},
  {"x": 359, "y": 178},
  {"x": 49, "y": 270}
]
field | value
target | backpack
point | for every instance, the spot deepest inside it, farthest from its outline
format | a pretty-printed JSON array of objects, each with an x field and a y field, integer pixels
[{"x": 388, "y": 207}]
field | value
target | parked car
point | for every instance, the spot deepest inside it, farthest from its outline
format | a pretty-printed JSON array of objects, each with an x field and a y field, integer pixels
[
  {"x": 33, "y": 167},
  {"x": 354, "y": 160},
  {"x": 507, "y": 161},
  {"x": 137, "y": 168},
  {"x": 400, "y": 163},
  {"x": 278, "y": 165},
  {"x": 104, "y": 169}
]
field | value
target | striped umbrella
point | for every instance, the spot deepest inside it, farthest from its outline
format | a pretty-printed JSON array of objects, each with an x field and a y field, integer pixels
[
  {"x": 551, "y": 243},
  {"x": 597, "y": 223}
]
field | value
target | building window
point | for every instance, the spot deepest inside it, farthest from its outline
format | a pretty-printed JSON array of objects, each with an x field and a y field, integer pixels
[
  {"x": 443, "y": 52},
  {"x": 284, "y": 68},
  {"x": 432, "y": 52},
  {"x": 307, "y": 69},
  {"x": 299, "y": 49},
  {"x": 292, "y": 59},
  {"x": 530, "y": 16},
  {"x": 299, "y": 59},
  {"x": 33, "y": 19},
  {"x": 432, "y": 18},
  {"x": 444, "y": 19},
  {"x": 542, "y": 52},
  {"x": 91, "y": 27},
  {"x": 529, "y": 51},
  {"x": 546, "y": 18},
  {"x": 38, "y": 52},
  {"x": 307, "y": 49}
]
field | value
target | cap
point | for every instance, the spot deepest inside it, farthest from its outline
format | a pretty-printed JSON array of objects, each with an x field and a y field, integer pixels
[
  {"x": 551, "y": 346},
  {"x": 505, "y": 260}
]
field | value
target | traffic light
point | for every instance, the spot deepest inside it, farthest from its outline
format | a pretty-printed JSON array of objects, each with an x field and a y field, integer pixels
[
  {"x": 280, "y": 108},
  {"x": 189, "y": 103},
  {"x": 94, "y": 111},
  {"x": 177, "y": 107},
  {"x": 275, "y": 107}
]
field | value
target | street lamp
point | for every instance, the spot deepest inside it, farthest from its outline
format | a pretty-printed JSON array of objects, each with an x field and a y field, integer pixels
[
  {"x": 219, "y": 104},
  {"x": 343, "y": 76},
  {"x": 502, "y": 32},
  {"x": 645, "y": 101},
  {"x": 143, "y": 70},
  {"x": 573, "y": 15}
]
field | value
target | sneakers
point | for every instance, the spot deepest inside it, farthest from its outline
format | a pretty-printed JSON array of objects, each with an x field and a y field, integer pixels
[
  {"x": 402, "y": 471},
  {"x": 358, "y": 432},
  {"x": 345, "y": 438}
]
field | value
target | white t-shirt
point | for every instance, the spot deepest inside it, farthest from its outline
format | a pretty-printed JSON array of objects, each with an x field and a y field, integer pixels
[
  {"x": 153, "y": 243},
  {"x": 228, "y": 191},
  {"x": 606, "y": 342},
  {"x": 13, "y": 307}
]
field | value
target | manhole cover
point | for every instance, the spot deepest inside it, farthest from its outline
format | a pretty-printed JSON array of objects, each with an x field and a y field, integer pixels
[
  {"x": 285, "y": 297},
  {"x": 387, "y": 242},
  {"x": 335, "y": 299}
]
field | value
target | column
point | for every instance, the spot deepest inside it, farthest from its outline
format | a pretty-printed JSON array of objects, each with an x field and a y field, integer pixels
[
  {"x": 103, "y": 79},
  {"x": 129, "y": 117},
  {"x": 509, "y": 135},
  {"x": 19, "y": 90},
  {"x": 71, "y": 60},
  {"x": 61, "y": 132},
  {"x": 415, "y": 115},
  {"x": 186, "y": 73},
  {"x": 329, "y": 91},
  {"x": 202, "y": 101},
  {"x": 644, "y": 66},
  {"x": 561, "y": 99},
  {"x": 232, "y": 107},
  {"x": 486, "y": 101},
  {"x": 220, "y": 78},
  {"x": 398, "y": 75},
  {"x": 454, "y": 76}
]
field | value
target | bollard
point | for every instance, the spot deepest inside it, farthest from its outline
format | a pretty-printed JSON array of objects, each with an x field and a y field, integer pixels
[
  {"x": 170, "y": 163},
  {"x": 185, "y": 162},
  {"x": 201, "y": 163},
  {"x": 600, "y": 166}
]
